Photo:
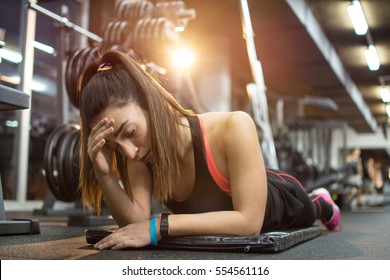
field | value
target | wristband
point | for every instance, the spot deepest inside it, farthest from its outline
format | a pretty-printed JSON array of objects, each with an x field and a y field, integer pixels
[
  {"x": 164, "y": 226},
  {"x": 153, "y": 232}
]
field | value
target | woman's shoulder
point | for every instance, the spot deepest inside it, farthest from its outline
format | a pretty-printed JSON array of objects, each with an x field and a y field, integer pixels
[
  {"x": 225, "y": 119},
  {"x": 224, "y": 127}
]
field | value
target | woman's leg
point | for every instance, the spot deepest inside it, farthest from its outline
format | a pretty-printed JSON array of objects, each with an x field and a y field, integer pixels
[
  {"x": 309, "y": 212},
  {"x": 298, "y": 198},
  {"x": 317, "y": 205},
  {"x": 298, "y": 207}
]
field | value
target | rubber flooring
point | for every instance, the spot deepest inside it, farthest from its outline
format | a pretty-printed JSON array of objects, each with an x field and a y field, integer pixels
[{"x": 365, "y": 234}]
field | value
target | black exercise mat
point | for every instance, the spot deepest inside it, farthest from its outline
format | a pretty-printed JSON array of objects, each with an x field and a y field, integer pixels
[{"x": 267, "y": 242}]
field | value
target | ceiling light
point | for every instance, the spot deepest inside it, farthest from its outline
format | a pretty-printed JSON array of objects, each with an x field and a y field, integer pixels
[
  {"x": 43, "y": 47},
  {"x": 11, "y": 123},
  {"x": 372, "y": 58},
  {"x": 16, "y": 57},
  {"x": 11, "y": 80},
  {"x": 10, "y": 55},
  {"x": 36, "y": 86},
  {"x": 358, "y": 19},
  {"x": 385, "y": 94}
]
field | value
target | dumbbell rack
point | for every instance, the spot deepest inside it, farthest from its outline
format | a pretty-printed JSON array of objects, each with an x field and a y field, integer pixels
[
  {"x": 11, "y": 99},
  {"x": 76, "y": 215}
]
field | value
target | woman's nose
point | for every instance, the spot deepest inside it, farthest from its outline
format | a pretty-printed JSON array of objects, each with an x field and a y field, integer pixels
[{"x": 128, "y": 150}]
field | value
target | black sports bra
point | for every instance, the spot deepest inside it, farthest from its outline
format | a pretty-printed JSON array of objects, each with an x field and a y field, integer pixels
[{"x": 206, "y": 195}]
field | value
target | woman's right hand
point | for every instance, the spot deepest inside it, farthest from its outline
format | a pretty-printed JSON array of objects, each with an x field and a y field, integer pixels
[{"x": 100, "y": 153}]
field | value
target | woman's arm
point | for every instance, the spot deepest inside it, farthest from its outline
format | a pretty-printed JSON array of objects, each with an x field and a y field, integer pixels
[{"x": 122, "y": 208}]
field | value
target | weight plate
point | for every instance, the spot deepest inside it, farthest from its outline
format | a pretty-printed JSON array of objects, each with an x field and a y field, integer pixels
[
  {"x": 72, "y": 159},
  {"x": 65, "y": 154},
  {"x": 60, "y": 160},
  {"x": 51, "y": 162},
  {"x": 72, "y": 78}
]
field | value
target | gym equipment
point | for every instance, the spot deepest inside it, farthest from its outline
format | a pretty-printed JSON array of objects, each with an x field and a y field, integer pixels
[
  {"x": 304, "y": 148},
  {"x": 11, "y": 99},
  {"x": 60, "y": 162},
  {"x": 63, "y": 21},
  {"x": 64, "y": 26},
  {"x": 292, "y": 161},
  {"x": 257, "y": 91},
  {"x": 132, "y": 11},
  {"x": 73, "y": 69},
  {"x": 61, "y": 165},
  {"x": 176, "y": 12},
  {"x": 267, "y": 242},
  {"x": 154, "y": 36},
  {"x": 313, "y": 139},
  {"x": 337, "y": 176}
]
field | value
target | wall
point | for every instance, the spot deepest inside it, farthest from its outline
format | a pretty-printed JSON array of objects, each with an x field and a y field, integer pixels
[{"x": 362, "y": 140}]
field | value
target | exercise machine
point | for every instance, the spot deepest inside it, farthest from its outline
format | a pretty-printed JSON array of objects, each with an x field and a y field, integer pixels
[{"x": 11, "y": 99}]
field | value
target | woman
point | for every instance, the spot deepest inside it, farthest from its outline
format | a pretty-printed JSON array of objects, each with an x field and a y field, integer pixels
[
  {"x": 138, "y": 143},
  {"x": 355, "y": 180}
]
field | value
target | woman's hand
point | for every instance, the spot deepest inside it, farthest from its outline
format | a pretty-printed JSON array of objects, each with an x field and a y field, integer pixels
[
  {"x": 133, "y": 235},
  {"x": 100, "y": 153}
]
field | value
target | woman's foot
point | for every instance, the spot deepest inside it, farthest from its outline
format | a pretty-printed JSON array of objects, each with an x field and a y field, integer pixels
[{"x": 335, "y": 218}]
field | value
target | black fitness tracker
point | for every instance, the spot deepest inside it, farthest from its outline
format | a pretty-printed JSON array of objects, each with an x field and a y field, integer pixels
[{"x": 164, "y": 226}]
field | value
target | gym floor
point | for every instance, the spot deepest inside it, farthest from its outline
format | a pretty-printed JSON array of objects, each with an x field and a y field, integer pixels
[{"x": 365, "y": 235}]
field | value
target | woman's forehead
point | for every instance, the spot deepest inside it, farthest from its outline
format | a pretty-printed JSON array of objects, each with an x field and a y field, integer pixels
[{"x": 119, "y": 112}]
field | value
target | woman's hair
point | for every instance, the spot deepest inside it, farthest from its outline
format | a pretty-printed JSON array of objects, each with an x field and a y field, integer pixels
[{"x": 125, "y": 81}]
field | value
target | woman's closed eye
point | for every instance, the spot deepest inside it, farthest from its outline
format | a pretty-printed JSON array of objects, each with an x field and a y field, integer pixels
[{"x": 131, "y": 133}]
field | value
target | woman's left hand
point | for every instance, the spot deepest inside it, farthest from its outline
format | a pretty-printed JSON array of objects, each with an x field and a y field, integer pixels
[{"x": 133, "y": 235}]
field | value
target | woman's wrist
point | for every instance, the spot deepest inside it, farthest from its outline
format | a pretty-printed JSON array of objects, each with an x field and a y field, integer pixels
[
  {"x": 159, "y": 228},
  {"x": 158, "y": 219}
]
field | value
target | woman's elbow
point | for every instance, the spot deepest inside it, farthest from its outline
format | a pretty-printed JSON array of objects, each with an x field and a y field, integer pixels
[
  {"x": 251, "y": 228},
  {"x": 255, "y": 231}
]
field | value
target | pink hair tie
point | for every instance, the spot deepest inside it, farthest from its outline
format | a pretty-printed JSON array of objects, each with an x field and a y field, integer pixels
[{"x": 104, "y": 67}]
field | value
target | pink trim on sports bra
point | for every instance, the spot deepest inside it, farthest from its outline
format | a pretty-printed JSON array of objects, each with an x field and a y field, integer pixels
[{"x": 220, "y": 180}]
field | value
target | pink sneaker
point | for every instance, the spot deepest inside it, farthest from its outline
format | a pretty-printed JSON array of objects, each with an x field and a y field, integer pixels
[{"x": 334, "y": 221}]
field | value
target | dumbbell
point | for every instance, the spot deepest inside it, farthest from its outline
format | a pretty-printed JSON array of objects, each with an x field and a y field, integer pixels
[
  {"x": 176, "y": 12},
  {"x": 153, "y": 35},
  {"x": 132, "y": 11}
]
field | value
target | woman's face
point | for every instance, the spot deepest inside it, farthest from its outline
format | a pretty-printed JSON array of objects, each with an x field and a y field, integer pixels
[{"x": 131, "y": 134}]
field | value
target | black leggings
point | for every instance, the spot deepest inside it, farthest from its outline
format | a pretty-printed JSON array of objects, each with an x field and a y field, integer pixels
[{"x": 288, "y": 203}]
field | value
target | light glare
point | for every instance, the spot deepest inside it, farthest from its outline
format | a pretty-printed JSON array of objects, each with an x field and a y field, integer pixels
[{"x": 183, "y": 58}]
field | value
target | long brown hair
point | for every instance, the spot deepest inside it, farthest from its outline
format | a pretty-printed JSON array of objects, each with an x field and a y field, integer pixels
[{"x": 127, "y": 82}]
